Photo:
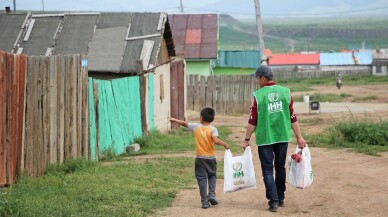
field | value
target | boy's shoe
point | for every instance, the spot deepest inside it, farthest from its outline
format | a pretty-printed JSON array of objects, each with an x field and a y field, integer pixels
[
  {"x": 281, "y": 203},
  {"x": 205, "y": 205},
  {"x": 213, "y": 201}
]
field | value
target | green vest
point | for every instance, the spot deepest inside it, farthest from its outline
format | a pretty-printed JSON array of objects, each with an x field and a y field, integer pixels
[{"x": 273, "y": 115}]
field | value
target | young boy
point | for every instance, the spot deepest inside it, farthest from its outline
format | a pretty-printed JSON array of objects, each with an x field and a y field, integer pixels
[{"x": 205, "y": 136}]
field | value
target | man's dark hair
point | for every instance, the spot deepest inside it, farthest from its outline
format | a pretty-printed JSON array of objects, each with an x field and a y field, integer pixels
[
  {"x": 264, "y": 71},
  {"x": 208, "y": 114}
]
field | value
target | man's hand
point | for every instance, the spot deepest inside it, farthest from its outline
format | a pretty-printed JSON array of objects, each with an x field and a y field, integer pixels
[
  {"x": 301, "y": 142},
  {"x": 246, "y": 144},
  {"x": 227, "y": 146}
]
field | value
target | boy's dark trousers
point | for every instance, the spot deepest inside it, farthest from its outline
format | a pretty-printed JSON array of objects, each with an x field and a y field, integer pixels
[{"x": 206, "y": 171}]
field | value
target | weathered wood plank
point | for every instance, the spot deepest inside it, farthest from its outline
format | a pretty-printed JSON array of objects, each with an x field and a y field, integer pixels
[
  {"x": 61, "y": 78},
  {"x": 46, "y": 112},
  {"x": 40, "y": 149},
  {"x": 79, "y": 83},
  {"x": 3, "y": 114},
  {"x": 202, "y": 92},
  {"x": 22, "y": 111},
  {"x": 143, "y": 90},
  {"x": 13, "y": 78},
  {"x": 70, "y": 110},
  {"x": 52, "y": 91},
  {"x": 85, "y": 113}
]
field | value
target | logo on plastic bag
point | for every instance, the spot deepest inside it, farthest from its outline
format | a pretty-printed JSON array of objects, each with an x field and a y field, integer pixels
[{"x": 238, "y": 175}]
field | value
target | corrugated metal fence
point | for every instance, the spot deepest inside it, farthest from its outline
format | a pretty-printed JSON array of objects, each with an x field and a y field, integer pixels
[{"x": 43, "y": 113}]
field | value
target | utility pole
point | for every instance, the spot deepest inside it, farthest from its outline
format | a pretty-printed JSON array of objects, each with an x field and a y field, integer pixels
[
  {"x": 14, "y": 5},
  {"x": 43, "y": 5},
  {"x": 181, "y": 7},
  {"x": 261, "y": 34}
]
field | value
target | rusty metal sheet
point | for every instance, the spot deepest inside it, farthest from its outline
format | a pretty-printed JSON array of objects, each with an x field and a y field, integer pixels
[
  {"x": 193, "y": 36},
  {"x": 208, "y": 51},
  {"x": 179, "y": 36},
  {"x": 200, "y": 29},
  {"x": 192, "y": 50},
  {"x": 179, "y": 22},
  {"x": 194, "y": 21},
  {"x": 209, "y": 36},
  {"x": 209, "y": 21}
]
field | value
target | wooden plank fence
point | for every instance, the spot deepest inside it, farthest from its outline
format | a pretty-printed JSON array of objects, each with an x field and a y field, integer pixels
[
  {"x": 230, "y": 94},
  {"x": 44, "y": 113},
  {"x": 57, "y": 118}
]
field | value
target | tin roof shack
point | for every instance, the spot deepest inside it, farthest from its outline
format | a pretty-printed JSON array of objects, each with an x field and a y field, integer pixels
[
  {"x": 355, "y": 63},
  {"x": 196, "y": 37},
  {"x": 380, "y": 62},
  {"x": 113, "y": 42},
  {"x": 294, "y": 62},
  {"x": 236, "y": 62}
]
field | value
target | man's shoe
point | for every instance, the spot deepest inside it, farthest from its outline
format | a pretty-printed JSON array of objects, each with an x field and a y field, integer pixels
[
  {"x": 205, "y": 205},
  {"x": 273, "y": 209},
  {"x": 281, "y": 203},
  {"x": 273, "y": 206},
  {"x": 213, "y": 201}
]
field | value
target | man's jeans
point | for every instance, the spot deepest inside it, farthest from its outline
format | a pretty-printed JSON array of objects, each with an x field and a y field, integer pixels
[{"x": 274, "y": 188}]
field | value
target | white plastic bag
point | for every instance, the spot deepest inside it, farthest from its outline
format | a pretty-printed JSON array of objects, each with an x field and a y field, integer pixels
[
  {"x": 301, "y": 174},
  {"x": 239, "y": 172}
]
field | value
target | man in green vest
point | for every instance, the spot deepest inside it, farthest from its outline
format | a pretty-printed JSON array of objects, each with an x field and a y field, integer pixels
[{"x": 271, "y": 118}]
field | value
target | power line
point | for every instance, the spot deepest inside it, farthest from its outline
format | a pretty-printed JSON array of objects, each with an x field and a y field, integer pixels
[{"x": 289, "y": 15}]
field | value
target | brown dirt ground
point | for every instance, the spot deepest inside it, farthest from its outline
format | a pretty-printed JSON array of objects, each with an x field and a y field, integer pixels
[{"x": 345, "y": 183}]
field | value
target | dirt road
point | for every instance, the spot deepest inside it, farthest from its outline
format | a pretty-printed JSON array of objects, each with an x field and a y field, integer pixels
[{"x": 345, "y": 183}]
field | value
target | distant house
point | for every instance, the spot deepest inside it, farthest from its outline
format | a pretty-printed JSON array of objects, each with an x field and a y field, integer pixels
[
  {"x": 380, "y": 62},
  {"x": 294, "y": 59},
  {"x": 236, "y": 62},
  {"x": 112, "y": 44},
  {"x": 346, "y": 59},
  {"x": 196, "y": 37}
]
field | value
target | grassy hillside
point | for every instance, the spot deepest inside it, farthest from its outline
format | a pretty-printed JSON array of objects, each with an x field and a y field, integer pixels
[{"x": 284, "y": 35}]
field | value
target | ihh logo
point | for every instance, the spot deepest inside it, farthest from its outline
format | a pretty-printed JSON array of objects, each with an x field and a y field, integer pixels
[{"x": 274, "y": 105}]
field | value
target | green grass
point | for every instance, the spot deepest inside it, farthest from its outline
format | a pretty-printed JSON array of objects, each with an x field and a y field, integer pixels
[
  {"x": 180, "y": 140},
  {"x": 130, "y": 189},
  {"x": 362, "y": 136},
  {"x": 120, "y": 188},
  {"x": 364, "y": 99}
]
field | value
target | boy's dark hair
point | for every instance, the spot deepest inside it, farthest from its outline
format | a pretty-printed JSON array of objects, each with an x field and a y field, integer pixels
[{"x": 208, "y": 114}]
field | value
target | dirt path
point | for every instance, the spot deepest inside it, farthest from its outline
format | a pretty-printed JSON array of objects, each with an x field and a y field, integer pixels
[{"x": 345, "y": 183}]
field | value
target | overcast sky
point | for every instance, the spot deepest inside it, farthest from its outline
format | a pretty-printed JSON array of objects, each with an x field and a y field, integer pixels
[{"x": 269, "y": 8}]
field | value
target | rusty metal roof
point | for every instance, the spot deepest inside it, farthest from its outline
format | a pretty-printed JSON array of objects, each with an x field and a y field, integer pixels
[
  {"x": 293, "y": 59},
  {"x": 195, "y": 35}
]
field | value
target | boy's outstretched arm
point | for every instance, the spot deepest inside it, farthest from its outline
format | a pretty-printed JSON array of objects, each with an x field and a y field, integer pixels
[
  {"x": 217, "y": 141},
  {"x": 180, "y": 122}
]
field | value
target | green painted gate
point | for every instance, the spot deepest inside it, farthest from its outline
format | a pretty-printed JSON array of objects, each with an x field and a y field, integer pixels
[{"x": 115, "y": 114}]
